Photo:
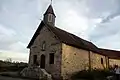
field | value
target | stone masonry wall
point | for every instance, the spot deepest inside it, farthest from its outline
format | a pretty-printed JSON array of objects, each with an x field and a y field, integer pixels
[
  {"x": 96, "y": 61},
  {"x": 52, "y": 45},
  {"x": 114, "y": 62},
  {"x": 73, "y": 60}
]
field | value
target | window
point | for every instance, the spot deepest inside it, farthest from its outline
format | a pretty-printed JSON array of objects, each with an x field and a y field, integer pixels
[
  {"x": 34, "y": 59},
  {"x": 43, "y": 46},
  {"x": 101, "y": 60},
  {"x": 49, "y": 17},
  {"x": 51, "y": 58}
]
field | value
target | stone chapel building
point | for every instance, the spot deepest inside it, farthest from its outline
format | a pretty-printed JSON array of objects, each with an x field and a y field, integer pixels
[{"x": 61, "y": 53}]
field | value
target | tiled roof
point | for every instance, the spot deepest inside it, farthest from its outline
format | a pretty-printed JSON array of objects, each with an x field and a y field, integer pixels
[
  {"x": 110, "y": 53},
  {"x": 73, "y": 40},
  {"x": 67, "y": 38}
]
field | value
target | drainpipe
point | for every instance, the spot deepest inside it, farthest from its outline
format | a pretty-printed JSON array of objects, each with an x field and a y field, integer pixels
[{"x": 106, "y": 60}]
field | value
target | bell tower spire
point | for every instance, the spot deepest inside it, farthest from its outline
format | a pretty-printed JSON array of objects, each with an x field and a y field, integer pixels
[
  {"x": 49, "y": 16},
  {"x": 51, "y": 2}
]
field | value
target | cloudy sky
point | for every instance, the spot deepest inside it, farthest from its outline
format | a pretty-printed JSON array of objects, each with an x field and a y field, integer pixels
[{"x": 94, "y": 20}]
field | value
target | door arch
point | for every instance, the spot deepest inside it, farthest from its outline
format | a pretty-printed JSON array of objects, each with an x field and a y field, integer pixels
[{"x": 42, "y": 61}]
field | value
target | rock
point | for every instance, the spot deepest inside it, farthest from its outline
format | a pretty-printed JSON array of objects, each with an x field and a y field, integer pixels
[
  {"x": 31, "y": 72},
  {"x": 45, "y": 75},
  {"x": 35, "y": 72}
]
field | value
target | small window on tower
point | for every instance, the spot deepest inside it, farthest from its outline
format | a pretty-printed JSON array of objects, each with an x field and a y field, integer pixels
[{"x": 49, "y": 17}]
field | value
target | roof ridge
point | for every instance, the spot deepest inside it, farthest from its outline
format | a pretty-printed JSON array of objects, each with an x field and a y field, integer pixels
[
  {"x": 49, "y": 10},
  {"x": 77, "y": 41}
]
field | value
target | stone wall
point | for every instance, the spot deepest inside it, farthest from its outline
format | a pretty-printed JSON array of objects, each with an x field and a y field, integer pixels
[
  {"x": 114, "y": 62},
  {"x": 73, "y": 60},
  {"x": 52, "y": 45},
  {"x": 96, "y": 61}
]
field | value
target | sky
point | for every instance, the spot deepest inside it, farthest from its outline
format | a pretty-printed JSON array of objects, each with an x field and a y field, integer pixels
[{"x": 97, "y": 21}]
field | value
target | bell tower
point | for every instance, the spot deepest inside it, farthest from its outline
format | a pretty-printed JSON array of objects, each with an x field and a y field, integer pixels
[{"x": 49, "y": 16}]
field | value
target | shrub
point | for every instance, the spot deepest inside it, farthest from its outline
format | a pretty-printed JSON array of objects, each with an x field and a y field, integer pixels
[
  {"x": 91, "y": 75},
  {"x": 12, "y": 66}
]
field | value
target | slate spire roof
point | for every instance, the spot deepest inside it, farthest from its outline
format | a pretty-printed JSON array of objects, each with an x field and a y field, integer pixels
[{"x": 50, "y": 10}]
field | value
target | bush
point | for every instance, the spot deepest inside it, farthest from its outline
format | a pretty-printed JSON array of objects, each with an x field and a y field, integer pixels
[
  {"x": 91, "y": 75},
  {"x": 12, "y": 66}
]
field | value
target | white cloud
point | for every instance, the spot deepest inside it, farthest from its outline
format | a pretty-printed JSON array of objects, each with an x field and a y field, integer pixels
[
  {"x": 6, "y": 36},
  {"x": 6, "y": 31},
  {"x": 14, "y": 56},
  {"x": 77, "y": 23},
  {"x": 18, "y": 47},
  {"x": 110, "y": 42},
  {"x": 20, "y": 19},
  {"x": 107, "y": 35}
]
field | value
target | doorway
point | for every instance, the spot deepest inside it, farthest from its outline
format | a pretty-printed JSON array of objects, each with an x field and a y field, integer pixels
[{"x": 42, "y": 61}]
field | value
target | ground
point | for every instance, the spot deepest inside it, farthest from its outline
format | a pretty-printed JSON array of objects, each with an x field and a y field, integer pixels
[{"x": 10, "y": 78}]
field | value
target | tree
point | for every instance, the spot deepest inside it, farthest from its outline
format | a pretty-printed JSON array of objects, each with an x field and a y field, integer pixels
[{"x": 8, "y": 60}]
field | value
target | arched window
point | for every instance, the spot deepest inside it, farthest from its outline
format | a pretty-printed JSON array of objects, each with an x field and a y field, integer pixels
[
  {"x": 51, "y": 58},
  {"x": 49, "y": 17},
  {"x": 43, "y": 46},
  {"x": 101, "y": 60}
]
